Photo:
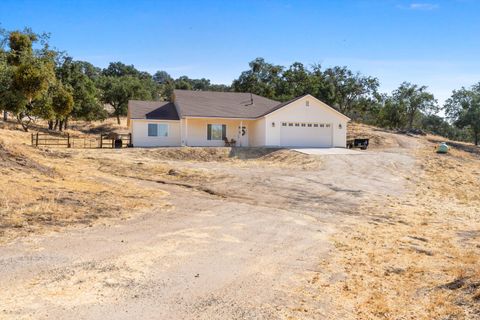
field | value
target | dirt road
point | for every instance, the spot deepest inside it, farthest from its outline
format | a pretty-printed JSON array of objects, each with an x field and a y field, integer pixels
[{"x": 246, "y": 249}]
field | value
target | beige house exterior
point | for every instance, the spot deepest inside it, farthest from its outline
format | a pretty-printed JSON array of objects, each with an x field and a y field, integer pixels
[{"x": 207, "y": 119}]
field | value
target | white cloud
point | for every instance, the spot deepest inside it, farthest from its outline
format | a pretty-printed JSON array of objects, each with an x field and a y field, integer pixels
[
  {"x": 420, "y": 6},
  {"x": 423, "y": 6}
]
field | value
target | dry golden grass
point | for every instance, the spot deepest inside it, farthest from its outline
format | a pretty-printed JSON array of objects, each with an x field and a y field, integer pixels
[
  {"x": 376, "y": 136},
  {"x": 77, "y": 127},
  {"x": 44, "y": 190},
  {"x": 417, "y": 257}
]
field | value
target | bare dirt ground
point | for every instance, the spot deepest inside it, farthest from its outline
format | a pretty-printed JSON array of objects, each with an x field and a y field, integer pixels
[{"x": 192, "y": 233}]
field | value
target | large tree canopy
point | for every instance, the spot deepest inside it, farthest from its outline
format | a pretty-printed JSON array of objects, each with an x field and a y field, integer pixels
[
  {"x": 31, "y": 73},
  {"x": 348, "y": 92},
  {"x": 463, "y": 108},
  {"x": 81, "y": 76},
  {"x": 116, "y": 91},
  {"x": 414, "y": 99},
  {"x": 262, "y": 78},
  {"x": 120, "y": 83}
]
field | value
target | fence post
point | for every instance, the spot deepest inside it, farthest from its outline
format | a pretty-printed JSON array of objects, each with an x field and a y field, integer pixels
[
  {"x": 130, "y": 139},
  {"x": 101, "y": 141},
  {"x": 32, "y": 139},
  {"x": 37, "y": 140},
  {"x": 68, "y": 140}
]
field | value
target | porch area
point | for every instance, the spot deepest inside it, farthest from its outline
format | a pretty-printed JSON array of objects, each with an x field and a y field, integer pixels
[{"x": 214, "y": 132}]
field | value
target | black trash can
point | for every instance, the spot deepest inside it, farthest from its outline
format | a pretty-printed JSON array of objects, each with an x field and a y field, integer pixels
[{"x": 118, "y": 143}]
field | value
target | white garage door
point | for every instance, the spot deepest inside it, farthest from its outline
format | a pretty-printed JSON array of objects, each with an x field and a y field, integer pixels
[{"x": 306, "y": 134}]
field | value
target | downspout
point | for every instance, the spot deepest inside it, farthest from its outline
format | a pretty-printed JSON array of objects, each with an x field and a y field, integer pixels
[{"x": 186, "y": 132}]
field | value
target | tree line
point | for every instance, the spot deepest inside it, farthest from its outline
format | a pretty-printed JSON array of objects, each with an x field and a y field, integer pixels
[{"x": 39, "y": 82}]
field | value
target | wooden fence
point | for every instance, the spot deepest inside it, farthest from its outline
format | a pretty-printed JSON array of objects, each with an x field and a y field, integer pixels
[{"x": 82, "y": 141}]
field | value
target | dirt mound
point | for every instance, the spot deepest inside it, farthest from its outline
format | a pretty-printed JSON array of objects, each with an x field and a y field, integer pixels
[
  {"x": 221, "y": 154},
  {"x": 207, "y": 154},
  {"x": 287, "y": 157},
  {"x": 13, "y": 158},
  {"x": 189, "y": 153}
]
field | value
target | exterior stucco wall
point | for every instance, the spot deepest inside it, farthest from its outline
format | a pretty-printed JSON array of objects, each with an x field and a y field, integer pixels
[
  {"x": 257, "y": 133},
  {"x": 140, "y": 138},
  {"x": 195, "y": 134},
  {"x": 297, "y": 111}
]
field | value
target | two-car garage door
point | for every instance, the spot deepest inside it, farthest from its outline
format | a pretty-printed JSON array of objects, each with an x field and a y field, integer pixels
[{"x": 306, "y": 134}]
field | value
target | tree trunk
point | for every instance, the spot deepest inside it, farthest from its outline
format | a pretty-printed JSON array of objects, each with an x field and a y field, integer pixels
[
  {"x": 475, "y": 136},
  {"x": 56, "y": 125},
  {"x": 5, "y": 115},
  {"x": 22, "y": 123},
  {"x": 65, "y": 123},
  {"x": 118, "y": 117},
  {"x": 410, "y": 120},
  {"x": 60, "y": 126},
  {"x": 50, "y": 124}
]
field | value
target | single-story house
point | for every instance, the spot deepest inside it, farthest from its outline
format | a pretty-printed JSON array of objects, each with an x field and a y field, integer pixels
[{"x": 205, "y": 118}]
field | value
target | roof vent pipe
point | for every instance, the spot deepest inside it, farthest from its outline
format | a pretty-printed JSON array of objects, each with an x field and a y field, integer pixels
[{"x": 250, "y": 102}]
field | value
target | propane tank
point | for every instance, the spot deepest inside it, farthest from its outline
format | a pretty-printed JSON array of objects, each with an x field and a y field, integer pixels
[{"x": 442, "y": 148}]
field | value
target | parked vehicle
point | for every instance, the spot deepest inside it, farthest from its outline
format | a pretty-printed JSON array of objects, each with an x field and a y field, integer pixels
[{"x": 358, "y": 143}]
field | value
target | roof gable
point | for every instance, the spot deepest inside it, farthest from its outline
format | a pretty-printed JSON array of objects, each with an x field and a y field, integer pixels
[
  {"x": 155, "y": 110},
  {"x": 309, "y": 96}
]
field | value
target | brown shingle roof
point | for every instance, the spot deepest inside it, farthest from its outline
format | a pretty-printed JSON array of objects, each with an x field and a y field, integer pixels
[
  {"x": 163, "y": 110},
  {"x": 221, "y": 104},
  {"x": 207, "y": 104}
]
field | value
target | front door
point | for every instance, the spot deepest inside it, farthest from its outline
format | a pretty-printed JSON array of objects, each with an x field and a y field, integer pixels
[{"x": 242, "y": 135}]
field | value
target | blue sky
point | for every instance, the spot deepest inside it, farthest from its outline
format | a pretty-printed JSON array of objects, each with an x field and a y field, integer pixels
[{"x": 433, "y": 43}]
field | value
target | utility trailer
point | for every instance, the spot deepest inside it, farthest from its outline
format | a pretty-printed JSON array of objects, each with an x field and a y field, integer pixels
[{"x": 358, "y": 143}]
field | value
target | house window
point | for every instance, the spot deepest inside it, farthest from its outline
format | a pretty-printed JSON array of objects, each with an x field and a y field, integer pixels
[
  {"x": 303, "y": 124},
  {"x": 284, "y": 124},
  {"x": 327, "y": 125},
  {"x": 290, "y": 124},
  {"x": 322, "y": 125},
  {"x": 309, "y": 125},
  {"x": 157, "y": 130},
  {"x": 307, "y": 103},
  {"x": 152, "y": 130},
  {"x": 297, "y": 124},
  {"x": 316, "y": 125},
  {"x": 216, "y": 131},
  {"x": 163, "y": 130}
]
